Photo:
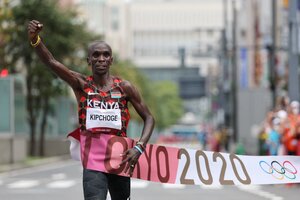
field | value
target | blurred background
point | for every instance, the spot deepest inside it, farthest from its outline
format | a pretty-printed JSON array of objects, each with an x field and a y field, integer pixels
[{"x": 218, "y": 75}]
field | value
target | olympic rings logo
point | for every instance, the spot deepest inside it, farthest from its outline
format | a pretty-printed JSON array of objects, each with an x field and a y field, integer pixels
[{"x": 278, "y": 171}]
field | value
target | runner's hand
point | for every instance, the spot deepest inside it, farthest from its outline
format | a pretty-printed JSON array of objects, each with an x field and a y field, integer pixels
[
  {"x": 131, "y": 158},
  {"x": 33, "y": 28}
]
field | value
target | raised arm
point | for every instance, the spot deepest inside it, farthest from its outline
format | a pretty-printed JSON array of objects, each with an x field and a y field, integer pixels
[{"x": 34, "y": 27}]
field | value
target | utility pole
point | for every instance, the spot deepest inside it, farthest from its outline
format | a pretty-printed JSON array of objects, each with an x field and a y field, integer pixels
[
  {"x": 293, "y": 80},
  {"x": 225, "y": 85},
  {"x": 272, "y": 54},
  {"x": 234, "y": 75}
]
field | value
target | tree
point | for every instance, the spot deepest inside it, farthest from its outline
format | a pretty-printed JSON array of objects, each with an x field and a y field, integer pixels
[
  {"x": 128, "y": 71},
  {"x": 5, "y": 31},
  {"x": 64, "y": 37},
  {"x": 162, "y": 97},
  {"x": 169, "y": 105}
]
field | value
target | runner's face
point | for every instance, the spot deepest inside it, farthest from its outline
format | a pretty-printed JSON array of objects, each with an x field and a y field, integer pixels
[{"x": 100, "y": 58}]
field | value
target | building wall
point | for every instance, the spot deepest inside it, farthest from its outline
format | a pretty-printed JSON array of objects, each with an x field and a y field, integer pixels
[
  {"x": 13, "y": 149},
  {"x": 14, "y": 128},
  {"x": 160, "y": 28},
  {"x": 93, "y": 13},
  {"x": 151, "y": 32},
  {"x": 153, "y": 41},
  {"x": 254, "y": 96},
  {"x": 253, "y": 105}
]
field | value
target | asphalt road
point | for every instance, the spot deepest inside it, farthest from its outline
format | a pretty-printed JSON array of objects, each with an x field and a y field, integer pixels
[{"x": 62, "y": 181}]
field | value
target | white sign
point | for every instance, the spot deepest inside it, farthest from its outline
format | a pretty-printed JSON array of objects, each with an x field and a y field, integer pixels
[{"x": 106, "y": 118}]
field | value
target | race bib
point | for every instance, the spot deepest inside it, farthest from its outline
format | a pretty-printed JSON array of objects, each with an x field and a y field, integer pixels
[{"x": 108, "y": 118}]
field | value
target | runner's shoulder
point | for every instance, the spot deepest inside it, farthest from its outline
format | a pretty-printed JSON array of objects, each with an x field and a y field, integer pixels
[
  {"x": 81, "y": 79},
  {"x": 78, "y": 75},
  {"x": 128, "y": 88},
  {"x": 125, "y": 85}
]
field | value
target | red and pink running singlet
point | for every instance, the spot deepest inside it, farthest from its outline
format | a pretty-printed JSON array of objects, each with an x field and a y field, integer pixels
[
  {"x": 103, "y": 111},
  {"x": 99, "y": 112}
]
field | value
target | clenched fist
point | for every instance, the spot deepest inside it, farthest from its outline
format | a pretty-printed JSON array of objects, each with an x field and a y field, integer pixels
[{"x": 34, "y": 27}]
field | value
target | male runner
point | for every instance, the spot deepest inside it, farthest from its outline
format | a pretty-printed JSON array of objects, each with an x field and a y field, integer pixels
[{"x": 102, "y": 102}]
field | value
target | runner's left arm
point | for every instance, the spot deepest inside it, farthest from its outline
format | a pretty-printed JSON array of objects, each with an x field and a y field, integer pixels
[{"x": 133, "y": 95}]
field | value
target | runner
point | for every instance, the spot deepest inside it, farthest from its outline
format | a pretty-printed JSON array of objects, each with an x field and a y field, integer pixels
[{"x": 102, "y": 102}]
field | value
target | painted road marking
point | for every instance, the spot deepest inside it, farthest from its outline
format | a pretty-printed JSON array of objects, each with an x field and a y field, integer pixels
[
  {"x": 173, "y": 186},
  {"x": 23, "y": 184},
  {"x": 211, "y": 187},
  {"x": 139, "y": 184},
  {"x": 61, "y": 184},
  {"x": 58, "y": 176},
  {"x": 256, "y": 190}
]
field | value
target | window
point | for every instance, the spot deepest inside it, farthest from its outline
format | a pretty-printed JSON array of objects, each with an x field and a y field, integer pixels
[{"x": 114, "y": 18}]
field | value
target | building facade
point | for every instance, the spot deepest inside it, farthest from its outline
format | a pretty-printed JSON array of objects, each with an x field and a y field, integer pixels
[{"x": 152, "y": 33}]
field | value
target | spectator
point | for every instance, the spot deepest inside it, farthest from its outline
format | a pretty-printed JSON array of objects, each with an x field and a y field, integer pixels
[
  {"x": 289, "y": 139},
  {"x": 274, "y": 137}
]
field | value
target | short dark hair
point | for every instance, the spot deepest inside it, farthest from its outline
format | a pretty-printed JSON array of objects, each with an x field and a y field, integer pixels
[{"x": 96, "y": 42}]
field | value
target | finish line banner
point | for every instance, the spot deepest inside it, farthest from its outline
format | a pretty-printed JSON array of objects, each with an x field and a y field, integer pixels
[{"x": 185, "y": 166}]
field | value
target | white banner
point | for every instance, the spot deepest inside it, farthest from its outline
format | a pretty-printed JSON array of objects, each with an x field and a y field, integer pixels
[{"x": 164, "y": 164}]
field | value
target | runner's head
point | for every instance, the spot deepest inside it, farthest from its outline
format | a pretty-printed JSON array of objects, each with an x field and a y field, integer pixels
[{"x": 99, "y": 57}]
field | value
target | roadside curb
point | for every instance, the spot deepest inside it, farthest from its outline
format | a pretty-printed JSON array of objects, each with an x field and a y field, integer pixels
[{"x": 33, "y": 163}]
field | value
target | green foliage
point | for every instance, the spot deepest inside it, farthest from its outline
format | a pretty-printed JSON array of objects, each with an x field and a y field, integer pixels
[
  {"x": 6, "y": 30},
  {"x": 169, "y": 105},
  {"x": 161, "y": 97},
  {"x": 127, "y": 71},
  {"x": 67, "y": 39},
  {"x": 64, "y": 37}
]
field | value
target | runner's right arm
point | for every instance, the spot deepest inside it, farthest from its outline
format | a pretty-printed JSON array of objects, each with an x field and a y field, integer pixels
[{"x": 34, "y": 27}]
